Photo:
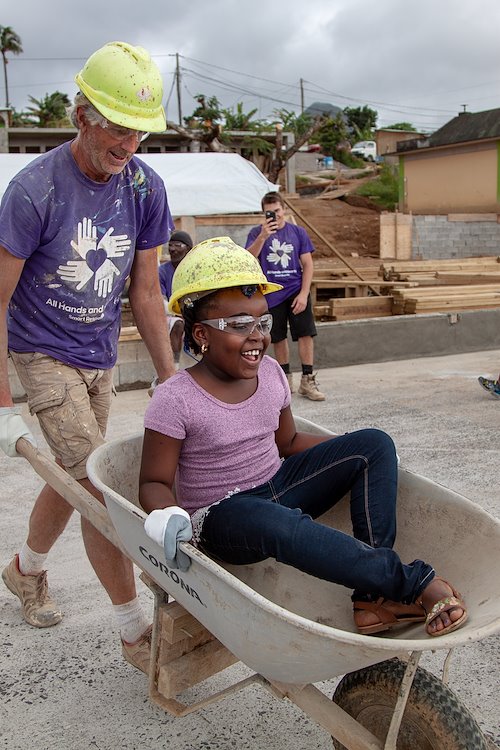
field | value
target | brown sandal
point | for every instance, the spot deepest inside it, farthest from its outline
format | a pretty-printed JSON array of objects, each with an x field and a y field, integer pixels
[
  {"x": 446, "y": 604},
  {"x": 391, "y": 615}
]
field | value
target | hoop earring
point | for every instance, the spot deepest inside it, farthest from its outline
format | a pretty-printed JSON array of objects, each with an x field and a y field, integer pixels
[{"x": 204, "y": 348}]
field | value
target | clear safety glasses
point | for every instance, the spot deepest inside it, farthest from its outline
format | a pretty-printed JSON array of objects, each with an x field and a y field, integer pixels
[
  {"x": 120, "y": 133},
  {"x": 242, "y": 325}
]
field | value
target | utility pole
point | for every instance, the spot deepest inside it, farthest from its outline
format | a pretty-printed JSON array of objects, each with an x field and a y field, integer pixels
[
  {"x": 178, "y": 80},
  {"x": 302, "y": 96}
]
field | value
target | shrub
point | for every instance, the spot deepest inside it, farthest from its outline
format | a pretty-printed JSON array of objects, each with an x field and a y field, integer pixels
[{"x": 384, "y": 189}]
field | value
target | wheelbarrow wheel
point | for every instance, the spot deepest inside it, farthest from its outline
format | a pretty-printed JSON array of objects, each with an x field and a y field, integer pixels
[{"x": 434, "y": 717}]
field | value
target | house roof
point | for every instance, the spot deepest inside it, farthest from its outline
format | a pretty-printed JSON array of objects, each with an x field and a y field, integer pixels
[{"x": 468, "y": 126}]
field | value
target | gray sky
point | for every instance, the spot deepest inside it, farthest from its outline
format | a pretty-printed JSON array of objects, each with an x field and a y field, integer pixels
[{"x": 416, "y": 62}]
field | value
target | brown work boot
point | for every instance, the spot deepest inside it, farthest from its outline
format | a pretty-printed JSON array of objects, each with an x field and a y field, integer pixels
[
  {"x": 139, "y": 653},
  {"x": 38, "y": 608},
  {"x": 309, "y": 388},
  {"x": 289, "y": 377}
]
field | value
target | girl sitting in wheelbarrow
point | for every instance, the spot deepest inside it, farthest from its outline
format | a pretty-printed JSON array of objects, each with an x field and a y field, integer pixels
[{"x": 248, "y": 486}]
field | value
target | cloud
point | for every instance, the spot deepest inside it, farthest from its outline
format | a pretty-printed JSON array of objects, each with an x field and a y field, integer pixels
[{"x": 417, "y": 63}]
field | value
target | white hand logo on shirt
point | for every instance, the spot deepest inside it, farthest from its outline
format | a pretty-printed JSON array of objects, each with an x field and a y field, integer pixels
[
  {"x": 95, "y": 258},
  {"x": 103, "y": 281},
  {"x": 280, "y": 253},
  {"x": 87, "y": 238},
  {"x": 115, "y": 247},
  {"x": 76, "y": 270}
]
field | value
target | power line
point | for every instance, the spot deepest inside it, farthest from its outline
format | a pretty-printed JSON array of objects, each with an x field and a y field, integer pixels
[
  {"x": 268, "y": 94},
  {"x": 380, "y": 104}
]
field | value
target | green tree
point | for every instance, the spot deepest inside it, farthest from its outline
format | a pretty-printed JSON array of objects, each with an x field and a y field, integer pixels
[
  {"x": 206, "y": 124},
  {"x": 402, "y": 126},
  {"x": 20, "y": 119},
  {"x": 49, "y": 112},
  {"x": 333, "y": 136},
  {"x": 207, "y": 114},
  {"x": 297, "y": 124},
  {"x": 240, "y": 120},
  {"x": 9, "y": 42},
  {"x": 362, "y": 120},
  {"x": 252, "y": 144}
]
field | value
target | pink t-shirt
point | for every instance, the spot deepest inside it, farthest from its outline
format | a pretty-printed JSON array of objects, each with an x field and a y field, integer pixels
[{"x": 227, "y": 447}]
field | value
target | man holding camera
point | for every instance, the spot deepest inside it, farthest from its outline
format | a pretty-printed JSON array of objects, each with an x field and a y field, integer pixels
[{"x": 284, "y": 253}]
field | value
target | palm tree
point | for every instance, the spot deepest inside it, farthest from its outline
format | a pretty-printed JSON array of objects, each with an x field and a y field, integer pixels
[
  {"x": 9, "y": 42},
  {"x": 49, "y": 112}
]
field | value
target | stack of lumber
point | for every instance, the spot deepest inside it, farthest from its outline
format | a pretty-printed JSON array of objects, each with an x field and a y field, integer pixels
[
  {"x": 127, "y": 316},
  {"x": 129, "y": 333},
  {"x": 446, "y": 298},
  {"x": 452, "y": 270},
  {"x": 353, "y": 308},
  {"x": 337, "y": 292}
]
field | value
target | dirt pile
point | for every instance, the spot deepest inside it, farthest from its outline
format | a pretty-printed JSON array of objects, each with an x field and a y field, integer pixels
[{"x": 351, "y": 229}]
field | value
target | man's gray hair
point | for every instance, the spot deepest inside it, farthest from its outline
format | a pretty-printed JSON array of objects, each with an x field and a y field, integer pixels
[{"x": 91, "y": 114}]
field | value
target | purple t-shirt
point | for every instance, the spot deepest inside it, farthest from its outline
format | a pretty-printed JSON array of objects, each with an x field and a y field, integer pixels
[
  {"x": 166, "y": 272},
  {"x": 279, "y": 259},
  {"x": 78, "y": 238},
  {"x": 227, "y": 447}
]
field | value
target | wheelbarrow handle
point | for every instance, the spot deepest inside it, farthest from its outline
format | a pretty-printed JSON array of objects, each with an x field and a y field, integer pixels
[{"x": 71, "y": 490}]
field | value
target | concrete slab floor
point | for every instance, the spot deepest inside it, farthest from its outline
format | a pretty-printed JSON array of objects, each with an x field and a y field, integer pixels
[{"x": 68, "y": 687}]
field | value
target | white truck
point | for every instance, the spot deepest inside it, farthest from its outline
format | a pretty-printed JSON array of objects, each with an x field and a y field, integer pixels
[{"x": 366, "y": 149}]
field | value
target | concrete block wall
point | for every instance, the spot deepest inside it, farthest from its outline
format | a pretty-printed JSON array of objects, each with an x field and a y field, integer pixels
[{"x": 440, "y": 237}]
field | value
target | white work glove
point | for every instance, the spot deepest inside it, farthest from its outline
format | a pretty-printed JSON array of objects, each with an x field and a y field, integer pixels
[
  {"x": 13, "y": 427},
  {"x": 167, "y": 527}
]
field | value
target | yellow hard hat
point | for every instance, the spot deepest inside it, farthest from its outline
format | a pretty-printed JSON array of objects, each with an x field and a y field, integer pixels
[
  {"x": 125, "y": 86},
  {"x": 214, "y": 264}
]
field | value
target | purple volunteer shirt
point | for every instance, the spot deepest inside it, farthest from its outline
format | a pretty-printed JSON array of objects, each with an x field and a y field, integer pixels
[
  {"x": 226, "y": 447},
  {"x": 280, "y": 259},
  {"x": 78, "y": 239},
  {"x": 165, "y": 273}
]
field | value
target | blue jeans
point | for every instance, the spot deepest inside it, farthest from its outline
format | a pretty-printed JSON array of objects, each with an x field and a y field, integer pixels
[{"x": 275, "y": 519}]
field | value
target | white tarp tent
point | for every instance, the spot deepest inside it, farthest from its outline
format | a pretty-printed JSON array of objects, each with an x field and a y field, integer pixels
[{"x": 197, "y": 184}]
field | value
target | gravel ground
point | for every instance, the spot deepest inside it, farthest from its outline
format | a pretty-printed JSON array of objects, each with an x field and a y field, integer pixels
[{"x": 68, "y": 687}]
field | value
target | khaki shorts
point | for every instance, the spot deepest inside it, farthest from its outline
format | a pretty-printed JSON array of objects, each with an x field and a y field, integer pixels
[{"x": 72, "y": 406}]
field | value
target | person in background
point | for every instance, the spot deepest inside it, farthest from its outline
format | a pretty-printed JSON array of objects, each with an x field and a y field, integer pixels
[
  {"x": 284, "y": 252},
  {"x": 74, "y": 225},
  {"x": 490, "y": 385},
  {"x": 179, "y": 245}
]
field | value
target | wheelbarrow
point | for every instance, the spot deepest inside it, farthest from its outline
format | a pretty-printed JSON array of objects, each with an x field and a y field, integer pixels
[{"x": 294, "y": 630}]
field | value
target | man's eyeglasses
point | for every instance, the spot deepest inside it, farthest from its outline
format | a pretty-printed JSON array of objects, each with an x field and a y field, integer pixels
[
  {"x": 242, "y": 325},
  {"x": 120, "y": 133}
]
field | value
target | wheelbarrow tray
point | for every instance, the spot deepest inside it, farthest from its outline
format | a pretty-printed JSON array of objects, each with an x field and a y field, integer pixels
[{"x": 291, "y": 627}]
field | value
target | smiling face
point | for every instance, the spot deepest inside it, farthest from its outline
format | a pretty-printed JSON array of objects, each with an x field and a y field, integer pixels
[
  {"x": 231, "y": 356},
  {"x": 98, "y": 153}
]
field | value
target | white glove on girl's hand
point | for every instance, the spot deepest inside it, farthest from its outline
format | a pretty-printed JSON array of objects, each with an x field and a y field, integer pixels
[
  {"x": 167, "y": 527},
  {"x": 13, "y": 427}
]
